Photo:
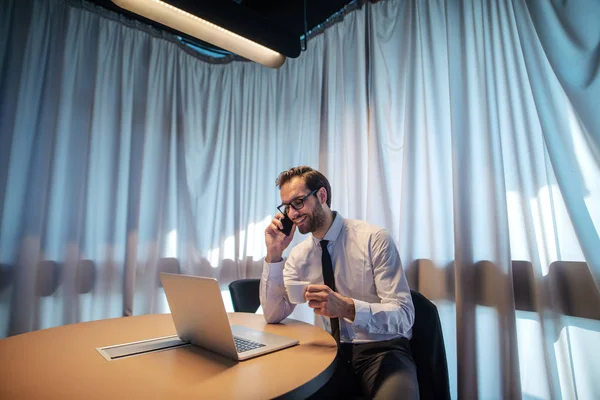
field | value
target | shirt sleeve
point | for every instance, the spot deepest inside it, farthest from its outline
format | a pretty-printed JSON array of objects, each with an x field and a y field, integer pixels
[
  {"x": 395, "y": 314},
  {"x": 273, "y": 298}
]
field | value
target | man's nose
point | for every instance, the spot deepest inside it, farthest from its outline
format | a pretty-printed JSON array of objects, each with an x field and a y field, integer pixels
[{"x": 292, "y": 213}]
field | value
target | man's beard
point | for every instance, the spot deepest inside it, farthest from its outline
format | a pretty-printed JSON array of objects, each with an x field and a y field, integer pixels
[{"x": 316, "y": 220}]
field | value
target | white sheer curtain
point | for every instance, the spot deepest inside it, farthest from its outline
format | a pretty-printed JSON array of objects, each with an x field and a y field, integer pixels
[{"x": 454, "y": 125}]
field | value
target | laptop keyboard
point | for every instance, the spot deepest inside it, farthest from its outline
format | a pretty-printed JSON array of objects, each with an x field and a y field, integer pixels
[{"x": 243, "y": 345}]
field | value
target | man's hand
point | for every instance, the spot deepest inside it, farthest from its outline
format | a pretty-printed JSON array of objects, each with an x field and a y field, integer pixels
[
  {"x": 276, "y": 240},
  {"x": 328, "y": 303}
]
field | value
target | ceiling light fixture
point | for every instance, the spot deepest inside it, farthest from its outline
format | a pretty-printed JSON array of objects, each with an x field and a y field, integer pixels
[{"x": 173, "y": 17}]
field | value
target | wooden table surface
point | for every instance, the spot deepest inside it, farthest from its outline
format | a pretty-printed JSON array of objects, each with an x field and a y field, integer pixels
[{"x": 62, "y": 363}]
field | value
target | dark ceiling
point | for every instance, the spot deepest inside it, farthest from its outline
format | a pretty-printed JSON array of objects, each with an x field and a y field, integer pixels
[{"x": 277, "y": 24}]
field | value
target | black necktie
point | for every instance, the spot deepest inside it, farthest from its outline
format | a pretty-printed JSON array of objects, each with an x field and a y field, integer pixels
[{"x": 329, "y": 281}]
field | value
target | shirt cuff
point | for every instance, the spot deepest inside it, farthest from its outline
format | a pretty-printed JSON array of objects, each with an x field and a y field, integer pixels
[
  {"x": 275, "y": 269},
  {"x": 362, "y": 314}
]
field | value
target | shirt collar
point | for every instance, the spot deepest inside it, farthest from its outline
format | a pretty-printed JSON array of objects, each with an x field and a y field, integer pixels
[{"x": 334, "y": 230}]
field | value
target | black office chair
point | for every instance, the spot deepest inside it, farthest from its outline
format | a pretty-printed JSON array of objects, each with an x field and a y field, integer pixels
[
  {"x": 244, "y": 295},
  {"x": 49, "y": 275},
  {"x": 86, "y": 276},
  {"x": 429, "y": 353}
]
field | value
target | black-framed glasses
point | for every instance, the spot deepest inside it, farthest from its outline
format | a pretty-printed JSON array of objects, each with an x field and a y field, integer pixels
[{"x": 296, "y": 204}]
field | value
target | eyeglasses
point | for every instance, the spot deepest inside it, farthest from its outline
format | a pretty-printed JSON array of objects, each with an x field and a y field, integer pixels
[{"x": 296, "y": 204}]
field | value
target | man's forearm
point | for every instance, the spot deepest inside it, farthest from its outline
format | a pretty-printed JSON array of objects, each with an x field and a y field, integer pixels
[
  {"x": 272, "y": 296},
  {"x": 390, "y": 317}
]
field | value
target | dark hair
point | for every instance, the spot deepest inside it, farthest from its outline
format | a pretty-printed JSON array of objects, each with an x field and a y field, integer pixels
[{"x": 312, "y": 178}]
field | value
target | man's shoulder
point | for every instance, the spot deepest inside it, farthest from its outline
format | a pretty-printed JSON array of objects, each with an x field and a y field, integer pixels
[
  {"x": 360, "y": 226},
  {"x": 366, "y": 232}
]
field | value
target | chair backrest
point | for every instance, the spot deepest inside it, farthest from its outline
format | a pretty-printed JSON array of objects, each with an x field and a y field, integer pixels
[
  {"x": 523, "y": 280},
  {"x": 572, "y": 286},
  {"x": 245, "y": 295},
  {"x": 86, "y": 276},
  {"x": 429, "y": 353},
  {"x": 48, "y": 277}
]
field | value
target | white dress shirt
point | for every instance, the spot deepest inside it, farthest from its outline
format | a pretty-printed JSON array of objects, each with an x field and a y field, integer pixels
[{"x": 366, "y": 268}]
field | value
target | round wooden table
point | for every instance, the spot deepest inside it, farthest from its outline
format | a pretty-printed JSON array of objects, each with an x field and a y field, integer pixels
[{"x": 62, "y": 363}]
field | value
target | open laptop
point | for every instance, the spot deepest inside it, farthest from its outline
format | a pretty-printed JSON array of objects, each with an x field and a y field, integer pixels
[{"x": 200, "y": 318}]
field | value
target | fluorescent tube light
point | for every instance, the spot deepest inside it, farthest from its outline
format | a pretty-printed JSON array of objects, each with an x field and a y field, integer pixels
[{"x": 202, "y": 29}]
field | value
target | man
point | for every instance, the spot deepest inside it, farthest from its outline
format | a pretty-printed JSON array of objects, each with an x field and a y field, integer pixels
[{"x": 365, "y": 302}]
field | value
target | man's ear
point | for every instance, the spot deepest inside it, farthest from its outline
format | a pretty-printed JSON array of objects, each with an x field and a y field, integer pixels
[{"x": 322, "y": 195}]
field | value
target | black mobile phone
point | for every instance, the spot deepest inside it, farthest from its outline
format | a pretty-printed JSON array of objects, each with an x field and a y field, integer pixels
[{"x": 287, "y": 225}]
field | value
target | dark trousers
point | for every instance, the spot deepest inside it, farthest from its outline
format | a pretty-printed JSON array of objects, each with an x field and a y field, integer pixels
[{"x": 378, "y": 370}]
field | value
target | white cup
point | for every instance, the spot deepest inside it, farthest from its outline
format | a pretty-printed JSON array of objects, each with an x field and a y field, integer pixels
[{"x": 296, "y": 290}]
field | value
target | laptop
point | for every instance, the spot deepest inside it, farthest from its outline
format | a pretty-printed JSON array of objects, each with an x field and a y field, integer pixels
[{"x": 200, "y": 318}]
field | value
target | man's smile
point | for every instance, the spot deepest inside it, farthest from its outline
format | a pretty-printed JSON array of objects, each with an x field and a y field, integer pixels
[{"x": 299, "y": 221}]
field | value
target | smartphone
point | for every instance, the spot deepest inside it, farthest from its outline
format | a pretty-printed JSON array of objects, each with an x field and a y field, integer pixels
[{"x": 287, "y": 225}]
